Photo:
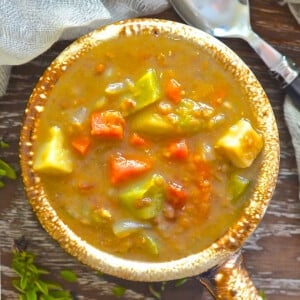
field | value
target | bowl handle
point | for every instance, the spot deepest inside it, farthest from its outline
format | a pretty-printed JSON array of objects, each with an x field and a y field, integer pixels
[{"x": 230, "y": 281}]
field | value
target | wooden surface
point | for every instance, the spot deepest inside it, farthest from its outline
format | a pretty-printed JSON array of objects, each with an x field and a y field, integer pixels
[{"x": 272, "y": 254}]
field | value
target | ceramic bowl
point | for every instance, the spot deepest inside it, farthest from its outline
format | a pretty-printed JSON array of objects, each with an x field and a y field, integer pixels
[{"x": 238, "y": 233}]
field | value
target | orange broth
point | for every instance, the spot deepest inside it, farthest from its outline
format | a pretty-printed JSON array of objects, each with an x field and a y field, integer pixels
[{"x": 147, "y": 181}]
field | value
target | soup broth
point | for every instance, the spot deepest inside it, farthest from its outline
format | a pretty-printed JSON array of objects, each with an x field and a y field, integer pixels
[{"x": 146, "y": 148}]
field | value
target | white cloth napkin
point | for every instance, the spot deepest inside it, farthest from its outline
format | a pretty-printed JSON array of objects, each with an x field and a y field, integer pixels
[{"x": 30, "y": 27}]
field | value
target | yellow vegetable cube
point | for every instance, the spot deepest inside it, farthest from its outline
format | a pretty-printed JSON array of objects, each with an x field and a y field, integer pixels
[
  {"x": 53, "y": 157},
  {"x": 240, "y": 144}
]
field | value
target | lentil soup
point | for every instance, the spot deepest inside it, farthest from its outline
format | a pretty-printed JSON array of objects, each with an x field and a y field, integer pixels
[{"x": 146, "y": 147}]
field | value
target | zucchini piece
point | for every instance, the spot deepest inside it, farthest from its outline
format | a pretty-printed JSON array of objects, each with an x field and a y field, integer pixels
[
  {"x": 237, "y": 186},
  {"x": 150, "y": 244},
  {"x": 192, "y": 116},
  {"x": 145, "y": 200},
  {"x": 53, "y": 157}
]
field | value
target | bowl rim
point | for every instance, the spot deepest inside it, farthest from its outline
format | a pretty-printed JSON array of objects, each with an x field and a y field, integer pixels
[{"x": 193, "y": 264}]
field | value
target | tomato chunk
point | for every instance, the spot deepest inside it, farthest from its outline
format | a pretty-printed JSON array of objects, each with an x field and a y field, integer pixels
[
  {"x": 173, "y": 90},
  {"x": 108, "y": 123},
  {"x": 177, "y": 150},
  {"x": 176, "y": 195},
  {"x": 81, "y": 144},
  {"x": 122, "y": 169}
]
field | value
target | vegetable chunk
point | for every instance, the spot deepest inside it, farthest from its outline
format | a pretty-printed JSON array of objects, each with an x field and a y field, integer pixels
[
  {"x": 146, "y": 90},
  {"x": 122, "y": 168},
  {"x": 108, "y": 124},
  {"x": 240, "y": 144},
  {"x": 53, "y": 157},
  {"x": 237, "y": 186},
  {"x": 145, "y": 200}
]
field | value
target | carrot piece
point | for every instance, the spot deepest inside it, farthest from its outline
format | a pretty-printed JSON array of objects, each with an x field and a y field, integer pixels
[
  {"x": 176, "y": 195},
  {"x": 173, "y": 90},
  {"x": 81, "y": 144},
  {"x": 108, "y": 123},
  {"x": 123, "y": 169},
  {"x": 137, "y": 140},
  {"x": 177, "y": 150}
]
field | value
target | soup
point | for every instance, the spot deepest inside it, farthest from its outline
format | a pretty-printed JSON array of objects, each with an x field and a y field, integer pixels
[{"x": 146, "y": 148}]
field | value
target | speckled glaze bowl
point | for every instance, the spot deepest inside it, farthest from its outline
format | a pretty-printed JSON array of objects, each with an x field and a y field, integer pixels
[{"x": 221, "y": 253}]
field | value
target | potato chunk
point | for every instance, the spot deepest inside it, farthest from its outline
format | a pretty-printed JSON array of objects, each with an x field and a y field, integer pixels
[
  {"x": 240, "y": 144},
  {"x": 53, "y": 157}
]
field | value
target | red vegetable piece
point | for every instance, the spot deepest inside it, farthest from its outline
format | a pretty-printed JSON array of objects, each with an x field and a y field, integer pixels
[
  {"x": 137, "y": 140},
  {"x": 177, "y": 150},
  {"x": 81, "y": 144},
  {"x": 173, "y": 90},
  {"x": 176, "y": 195},
  {"x": 204, "y": 175},
  {"x": 109, "y": 123},
  {"x": 122, "y": 169}
]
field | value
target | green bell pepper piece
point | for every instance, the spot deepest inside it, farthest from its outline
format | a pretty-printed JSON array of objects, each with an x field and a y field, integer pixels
[{"x": 145, "y": 200}]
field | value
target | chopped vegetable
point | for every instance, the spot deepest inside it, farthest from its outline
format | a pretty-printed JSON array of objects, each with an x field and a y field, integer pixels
[
  {"x": 173, "y": 90},
  {"x": 123, "y": 228},
  {"x": 146, "y": 90},
  {"x": 150, "y": 244},
  {"x": 176, "y": 195},
  {"x": 177, "y": 150},
  {"x": 240, "y": 144},
  {"x": 79, "y": 117},
  {"x": 137, "y": 140},
  {"x": 192, "y": 115},
  {"x": 109, "y": 123},
  {"x": 237, "y": 185},
  {"x": 53, "y": 156},
  {"x": 81, "y": 144},
  {"x": 145, "y": 200},
  {"x": 151, "y": 123},
  {"x": 115, "y": 88},
  {"x": 122, "y": 169}
]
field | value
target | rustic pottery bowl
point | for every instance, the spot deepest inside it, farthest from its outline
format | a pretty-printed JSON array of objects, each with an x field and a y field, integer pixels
[{"x": 222, "y": 250}]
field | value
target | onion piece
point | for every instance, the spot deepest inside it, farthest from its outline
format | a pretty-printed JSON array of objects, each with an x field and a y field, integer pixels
[{"x": 123, "y": 228}]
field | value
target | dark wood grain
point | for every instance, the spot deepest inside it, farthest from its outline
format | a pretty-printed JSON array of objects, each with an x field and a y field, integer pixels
[{"x": 272, "y": 254}]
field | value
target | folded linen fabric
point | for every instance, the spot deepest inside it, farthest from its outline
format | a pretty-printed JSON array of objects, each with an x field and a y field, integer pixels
[{"x": 30, "y": 27}]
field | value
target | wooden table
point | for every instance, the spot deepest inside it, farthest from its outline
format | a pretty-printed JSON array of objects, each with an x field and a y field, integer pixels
[{"x": 272, "y": 254}]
